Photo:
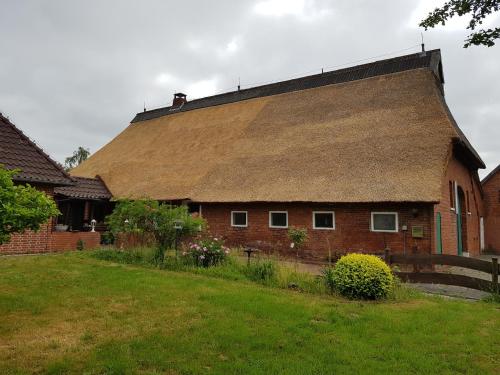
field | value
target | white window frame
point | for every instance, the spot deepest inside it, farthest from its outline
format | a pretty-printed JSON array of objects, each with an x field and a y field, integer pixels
[
  {"x": 384, "y": 213},
  {"x": 278, "y": 212},
  {"x": 323, "y": 212},
  {"x": 237, "y": 225}
]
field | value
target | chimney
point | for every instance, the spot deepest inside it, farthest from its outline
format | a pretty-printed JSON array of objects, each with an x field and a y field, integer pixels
[{"x": 179, "y": 99}]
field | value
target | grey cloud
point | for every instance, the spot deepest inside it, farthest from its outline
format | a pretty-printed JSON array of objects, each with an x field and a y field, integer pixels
[{"x": 75, "y": 72}]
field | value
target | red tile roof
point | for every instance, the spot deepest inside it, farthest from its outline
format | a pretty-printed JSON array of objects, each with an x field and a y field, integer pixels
[
  {"x": 17, "y": 151},
  {"x": 85, "y": 188}
]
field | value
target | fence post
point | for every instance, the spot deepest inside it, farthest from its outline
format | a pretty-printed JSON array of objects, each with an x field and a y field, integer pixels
[
  {"x": 387, "y": 255},
  {"x": 494, "y": 274}
]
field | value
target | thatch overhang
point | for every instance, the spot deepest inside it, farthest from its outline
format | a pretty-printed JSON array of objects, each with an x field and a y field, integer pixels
[{"x": 379, "y": 133}]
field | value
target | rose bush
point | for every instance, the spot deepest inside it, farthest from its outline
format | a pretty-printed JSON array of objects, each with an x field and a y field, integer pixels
[{"x": 207, "y": 252}]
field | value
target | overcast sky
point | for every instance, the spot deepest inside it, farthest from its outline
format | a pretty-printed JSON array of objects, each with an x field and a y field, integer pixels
[{"x": 74, "y": 73}]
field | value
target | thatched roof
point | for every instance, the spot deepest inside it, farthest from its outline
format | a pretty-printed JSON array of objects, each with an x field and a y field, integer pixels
[{"x": 383, "y": 138}]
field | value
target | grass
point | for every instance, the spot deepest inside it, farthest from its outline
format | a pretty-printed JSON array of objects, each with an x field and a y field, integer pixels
[
  {"x": 74, "y": 314},
  {"x": 267, "y": 271}
]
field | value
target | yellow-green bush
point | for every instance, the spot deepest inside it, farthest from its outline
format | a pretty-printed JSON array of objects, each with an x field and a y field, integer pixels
[{"x": 362, "y": 276}]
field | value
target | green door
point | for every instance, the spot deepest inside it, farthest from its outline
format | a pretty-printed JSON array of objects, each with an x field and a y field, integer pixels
[
  {"x": 459, "y": 228},
  {"x": 439, "y": 239}
]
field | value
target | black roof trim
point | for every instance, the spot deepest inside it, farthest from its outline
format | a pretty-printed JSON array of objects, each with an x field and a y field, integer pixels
[
  {"x": 430, "y": 59},
  {"x": 491, "y": 174}
]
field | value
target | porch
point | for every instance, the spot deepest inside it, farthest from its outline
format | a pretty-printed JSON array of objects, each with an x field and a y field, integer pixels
[{"x": 84, "y": 207}]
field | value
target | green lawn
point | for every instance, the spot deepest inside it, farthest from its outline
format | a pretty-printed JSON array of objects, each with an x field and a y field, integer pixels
[{"x": 71, "y": 313}]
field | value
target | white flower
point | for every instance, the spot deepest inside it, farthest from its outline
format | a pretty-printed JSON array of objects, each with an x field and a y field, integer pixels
[{"x": 292, "y": 245}]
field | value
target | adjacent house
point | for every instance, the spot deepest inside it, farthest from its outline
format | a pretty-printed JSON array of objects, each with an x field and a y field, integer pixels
[
  {"x": 491, "y": 225},
  {"x": 36, "y": 168},
  {"x": 365, "y": 158}
]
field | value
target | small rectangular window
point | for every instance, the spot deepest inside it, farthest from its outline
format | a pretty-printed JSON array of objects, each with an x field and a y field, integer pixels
[
  {"x": 278, "y": 219},
  {"x": 239, "y": 218},
  {"x": 384, "y": 222},
  {"x": 323, "y": 220}
]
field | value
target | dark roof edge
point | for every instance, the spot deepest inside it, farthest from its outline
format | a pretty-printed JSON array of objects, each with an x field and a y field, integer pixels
[
  {"x": 41, "y": 152},
  {"x": 490, "y": 175},
  {"x": 462, "y": 139},
  {"x": 316, "y": 80},
  {"x": 42, "y": 181}
]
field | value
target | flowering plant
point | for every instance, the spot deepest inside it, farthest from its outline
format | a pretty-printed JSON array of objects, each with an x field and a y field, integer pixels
[{"x": 207, "y": 252}]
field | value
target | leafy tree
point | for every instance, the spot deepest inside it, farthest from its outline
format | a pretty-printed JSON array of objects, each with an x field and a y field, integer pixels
[
  {"x": 22, "y": 207},
  {"x": 146, "y": 216},
  {"x": 479, "y": 10},
  {"x": 78, "y": 157},
  {"x": 297, "y": 237}
]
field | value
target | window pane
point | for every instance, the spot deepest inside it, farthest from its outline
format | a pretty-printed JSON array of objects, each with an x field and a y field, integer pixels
[
  {"x": 240, "y": 218},
  {"x": 384, "y": 222},
  {"x": 278, "y": 219},
  {"x": 323, "y": 220}
]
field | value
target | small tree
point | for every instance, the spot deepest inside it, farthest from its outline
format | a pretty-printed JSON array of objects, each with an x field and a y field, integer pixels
[
  {"x": 79, "y": 156},
  {"x": 22, "y": 207},
  {"x": 297, "y": 237},
  {"x": 162, "y": 221}
]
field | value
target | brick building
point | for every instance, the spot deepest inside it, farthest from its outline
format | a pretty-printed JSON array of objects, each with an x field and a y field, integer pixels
[
  {"x": 491, "y": 189},
  {"x": 365, "y": 158},
  {"x": 37, "y": 169}
]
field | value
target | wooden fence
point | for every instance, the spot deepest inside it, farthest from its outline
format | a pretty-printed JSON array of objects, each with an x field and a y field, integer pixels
[{"x": 426, "y": 261}]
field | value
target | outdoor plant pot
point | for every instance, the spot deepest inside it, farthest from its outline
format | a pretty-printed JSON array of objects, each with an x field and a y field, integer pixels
[{"x": 61, "y": 228}]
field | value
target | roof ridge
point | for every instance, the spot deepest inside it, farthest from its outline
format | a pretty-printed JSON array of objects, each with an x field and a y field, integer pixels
[
  {"x": 301, "y": 83},
  {"x": 35, "y": 146},
  {"x": 491, "y": 174}
]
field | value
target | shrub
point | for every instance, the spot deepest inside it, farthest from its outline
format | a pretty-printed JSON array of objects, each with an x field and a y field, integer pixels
[
  {"x": 207, "y": 252},
  {"x": 107, "y": 238},
  {"x": 297, "y": 237},
  {"x": 22, "y": 207},
  {"x": 80, "y": 245},
  {"x": 165, "y": 223},
  {"x": 261, "y": 271},
  {"x": 362, "y": 276}
]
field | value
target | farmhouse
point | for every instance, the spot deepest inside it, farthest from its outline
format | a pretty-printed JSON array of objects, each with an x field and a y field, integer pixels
[
  {"x": 491, "y": 188},
  {"x": 36, "y": 168},
  {"x": 365, "y": 158}
]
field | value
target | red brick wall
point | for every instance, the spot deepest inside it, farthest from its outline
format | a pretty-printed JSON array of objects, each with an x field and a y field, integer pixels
[
  {"x": 60, "y": 241},
  {"x": 468, "y": 181},
  {"x": 351, "y": 234},
  {"x": 45, "y": 240},
  {"x": 28, "y": 242},
  {"x": 491, "y": 191}
]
